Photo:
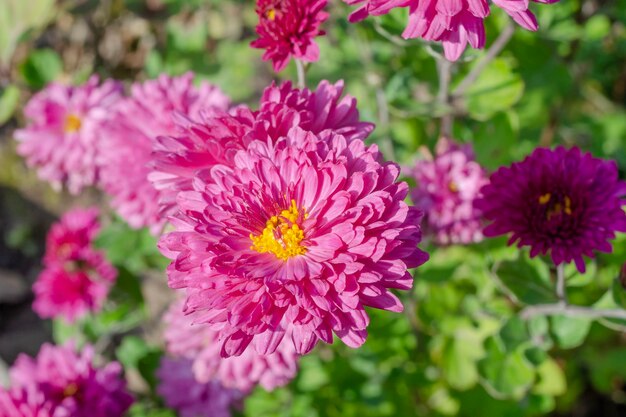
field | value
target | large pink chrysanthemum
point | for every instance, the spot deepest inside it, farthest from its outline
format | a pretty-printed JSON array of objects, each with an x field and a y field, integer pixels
[
  {"x": 76, "y": 277},
  {"x": 455, "y": 23},
  {"x": 560, "y": 202},
  {"x": 131, "y": 133},
  {"x": 190, "y": 398},
  {"x": 214, "y": 138},
  {"x": 71, "y": 384},
  {"x": 63, "y": 138},
  {"x": 198, "y": 342},
  {"x": 23, "y": 403},
  {"x": 287, "y": 28},
  {"x": 296, "y": 238},
  {"x": 446, "y": 188}
]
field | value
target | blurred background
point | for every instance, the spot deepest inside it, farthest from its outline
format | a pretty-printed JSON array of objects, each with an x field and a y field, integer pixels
[{"x": 565, "y": 84}]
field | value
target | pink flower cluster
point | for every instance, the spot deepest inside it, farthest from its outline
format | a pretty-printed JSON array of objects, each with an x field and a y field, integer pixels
[
  {"x": 76, "y": 277},
  {"x": 293, "y": 229},
  {"x": 454, "y": 23},
  {"x": 446, "y": 188},
  {"x": 60, "y": 382}
]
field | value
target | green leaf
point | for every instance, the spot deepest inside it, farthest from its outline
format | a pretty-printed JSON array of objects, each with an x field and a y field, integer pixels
[
  {"x": 41, "y": 67},
  {"x": 135, "y": 353},
  {"x": 569, "y": 332},
  {"x": 618, "y": 292},
  {"x": 497, "y": 89},
  {"x": 528, "y": 280},
  {"x": 505, "y": 374},
  {"x": 514, "y": 333},
  {"x": 551, "y": 379},
  {"x": 8, "y": 102}
]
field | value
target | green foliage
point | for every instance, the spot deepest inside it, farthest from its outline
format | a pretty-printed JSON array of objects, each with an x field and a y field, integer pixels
[{"x": 41, "y": 67}]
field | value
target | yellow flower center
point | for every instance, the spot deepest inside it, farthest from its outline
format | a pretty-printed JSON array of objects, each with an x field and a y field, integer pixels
[
  {"x": 271, "y": 14},
  {"x": 282, "y": 235},
  {"x": 557, "y": 207},
  {"x": 70, "y": 390},
  {"x": 453, "y": 187},
  {"x": 72, "y": 123}
]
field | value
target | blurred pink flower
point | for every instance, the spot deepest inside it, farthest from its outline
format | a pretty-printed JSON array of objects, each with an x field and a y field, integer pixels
[
  {"x": 295, "y": 239},
  {"x": 190, "y": 398},
  {"x": 199, "y": 343},
  {"x": 63, "y": 137},
  {"x": 71, "y": 384},
  {"x": 131, "y": 134},
  {"x": 287, "y": 28},
  {"x": 23, "y": 403},
  {"x": 76, "y": 277},
  {"x": 455, "y": 23},
  {"x": 446, "y": 188}
]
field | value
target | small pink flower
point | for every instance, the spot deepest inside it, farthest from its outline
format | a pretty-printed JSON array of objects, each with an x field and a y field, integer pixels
[
  {"x": 455, "y": 23},
  {"x": 70, "y": 383},
  {"x": 294, "y": 240},
  {"x": 23, "y": 403},
  {"x": 64, "y": 136},
  {"x": 199, "y": 343},
  {"x": 132, "y": 132},
  {"x": 287, "y": 28},
  {"x": 76, "y": 277},
  {"x": 191, "y": 398},
  {"x": 446, "y": 188}
]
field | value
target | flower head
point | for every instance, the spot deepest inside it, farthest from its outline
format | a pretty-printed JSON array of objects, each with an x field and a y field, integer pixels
[
  {"x": 446, "y": 189},
  {"x": 190, "y": 398},
  {"x": 199, "y": 343},
  {"x": 287, "y": 28},
  {"x": 63, "y": 137},
  {"x": 71, "y": 384},
  {"x": 131, "y": 134},
  {"x": 294, "y": 240},
  {"x": 455, "y": 23},
  {"x": 560, "y": 201},
  {"x": 76, "y": 277}
]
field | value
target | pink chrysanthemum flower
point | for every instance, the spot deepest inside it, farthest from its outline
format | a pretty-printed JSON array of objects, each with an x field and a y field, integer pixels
[
  {"x": 454, "y": 23},
  {"x": 71, "y": 384},
  {"x": 296, "y": 238},
  {"x": 132, "y": 131},
  {"x": 559, "y": 202},
  {"x": 23, "y": 403},
  {"x": 76, "y": 277},
  {"x": 63, "y": 137},
  {"x": 215, "y": 138},
  {"x": 287, "y": 28},
  {"x": 445, "y": 190},
  {"x": 200, "y": 343},
  {"x": 190, "y": 398}
]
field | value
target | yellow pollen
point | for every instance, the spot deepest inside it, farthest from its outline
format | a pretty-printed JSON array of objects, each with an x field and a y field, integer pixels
[
  {"x": 544, "y": 199},
  {"x": 453, "y": 187},
  {"x": 557, "y": 208},
  {"x": 568, "y": 206},
  {"x": 271, "y": 14},
  {"x": 72, "y": 123},
  {"x": 70, "y": 390},
  {"x": 282, "y": 235}
]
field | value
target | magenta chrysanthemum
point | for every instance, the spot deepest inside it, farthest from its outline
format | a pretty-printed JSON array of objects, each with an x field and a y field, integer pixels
[
  {"x": 76, "y": 277},
  {"x": 198, "y": 342},
  {"x": 287, "y": 28},
  {"x": 216, "y": 137},
  {"x": 296, "y": 238},
  {"x": 131, "y": 133},
  {"x": 445, "y": 190},
  {"x": 23, "y": 403},
  {"x": 455, "y": 23},
  {"x": 561, "y": 202},
  {"x": 63, "y": 137},
  {"x": 190, "y": 398},
  {"x": 70, "y": 383}
]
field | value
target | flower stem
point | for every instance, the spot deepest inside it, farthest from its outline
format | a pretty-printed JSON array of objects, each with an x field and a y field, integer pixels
[
  {"x": 560, "y": 284},
  {"x": 301, "y": 74},
  {"x": 497, "y": 46},
  {"x": 571, "y": 311}
]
